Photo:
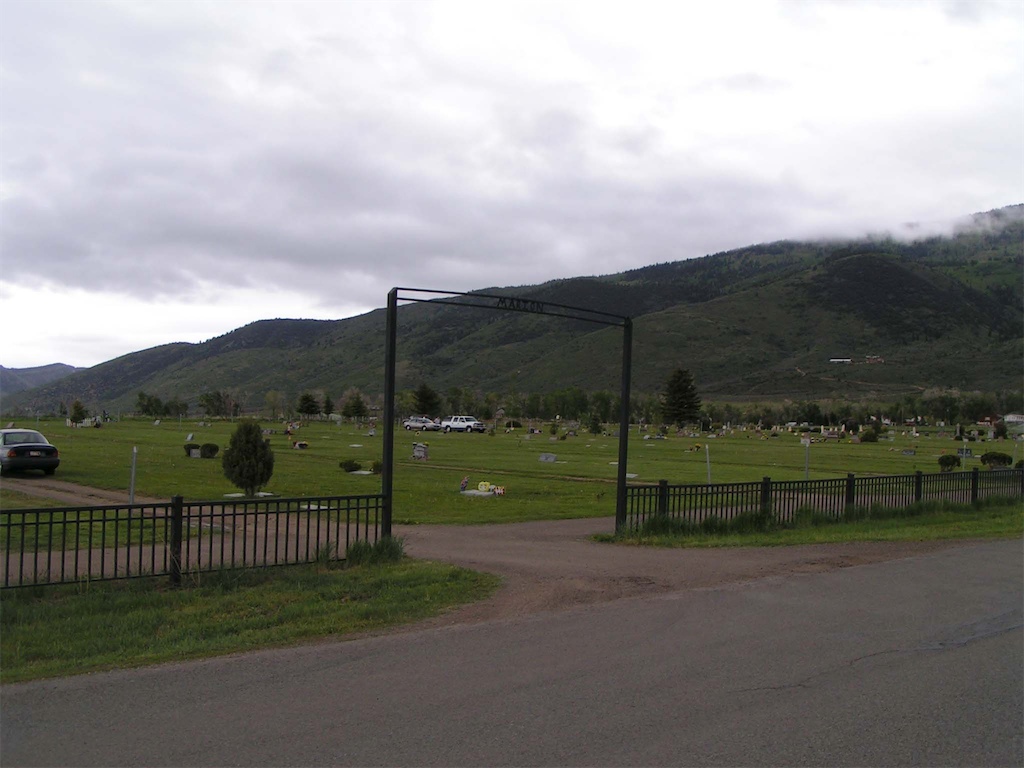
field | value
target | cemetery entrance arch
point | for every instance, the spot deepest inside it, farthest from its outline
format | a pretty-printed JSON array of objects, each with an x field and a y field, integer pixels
[{"x": 509, "y": 304}]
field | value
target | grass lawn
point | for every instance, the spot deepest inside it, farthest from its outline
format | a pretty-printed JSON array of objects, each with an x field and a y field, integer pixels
[
  {"x": 929, "y": 522},
  {"x": 579, "y": 483},
  {"x": 69, "y": 630}
]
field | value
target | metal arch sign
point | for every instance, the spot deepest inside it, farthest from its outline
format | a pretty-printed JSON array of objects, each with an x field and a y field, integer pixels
[
  {"x": 506, "y": 303},
  {"x": 520, "y": 305}
]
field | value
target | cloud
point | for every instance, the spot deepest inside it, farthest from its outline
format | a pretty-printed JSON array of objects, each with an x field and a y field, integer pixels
[{"x": 316, "y": 154}]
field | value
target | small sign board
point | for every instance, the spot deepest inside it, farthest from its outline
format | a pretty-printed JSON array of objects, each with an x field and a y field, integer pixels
[
  {"x": 805, "y": 441},
  {"x": 965, "y": 453}
]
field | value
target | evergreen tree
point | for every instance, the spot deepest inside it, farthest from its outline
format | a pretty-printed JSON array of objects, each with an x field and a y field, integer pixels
[
  {"x": 308, "y": 405},
  {"x": 328, "y": 404},
  {"x": 428, "y": 402},
  {"x": 354, "y": 407},
  {"x": 78, "y": 412},
  {"x": 248, "y": 461},
  {"x": 680, "y": 402},
  {"x": 217, "y": 403}
]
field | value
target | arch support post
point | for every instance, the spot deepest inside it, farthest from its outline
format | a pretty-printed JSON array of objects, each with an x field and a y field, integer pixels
[
  {"x": 627, "y": 373},
  {"x": 387, "y": 472}
]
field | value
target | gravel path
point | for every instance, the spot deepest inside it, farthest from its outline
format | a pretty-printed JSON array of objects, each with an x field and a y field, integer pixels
[{"x": 555, "y": 565}]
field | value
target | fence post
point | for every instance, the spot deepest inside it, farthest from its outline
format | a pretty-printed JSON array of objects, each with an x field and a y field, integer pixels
[
  {"x": 766, "y": 495},
  {"x": 663, "y": 498},
  {"x": 974, "y": 485},
  {"x": 850, "y": 496},
  {"x": 918, "y": 485},
  {"x": 177, "y": 505}
]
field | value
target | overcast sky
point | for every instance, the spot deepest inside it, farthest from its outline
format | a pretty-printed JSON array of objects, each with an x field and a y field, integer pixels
[{"x": 173, "y": 170}]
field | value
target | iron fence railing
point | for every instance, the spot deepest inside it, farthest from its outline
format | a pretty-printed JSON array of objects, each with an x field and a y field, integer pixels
[
  {"x": 176, "y": 538},
  {"x": 726, "y": 501}
]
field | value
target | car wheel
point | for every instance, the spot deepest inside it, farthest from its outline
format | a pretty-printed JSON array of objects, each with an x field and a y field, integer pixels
[{"x": 447, "y": 429}]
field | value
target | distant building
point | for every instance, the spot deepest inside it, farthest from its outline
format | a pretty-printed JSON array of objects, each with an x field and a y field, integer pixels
[{"x": 844, "y": 360}]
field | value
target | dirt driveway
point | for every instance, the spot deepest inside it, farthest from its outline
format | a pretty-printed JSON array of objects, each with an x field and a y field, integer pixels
[{"x": 554, "y": 565}]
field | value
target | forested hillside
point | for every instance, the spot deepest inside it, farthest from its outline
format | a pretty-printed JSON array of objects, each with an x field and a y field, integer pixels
[{"x": 766, "y": 321}]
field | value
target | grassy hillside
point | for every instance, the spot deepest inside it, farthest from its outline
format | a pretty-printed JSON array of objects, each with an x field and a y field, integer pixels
[
  {"x": 19, "y": 379},
  {"x": 762, "y": 321}
]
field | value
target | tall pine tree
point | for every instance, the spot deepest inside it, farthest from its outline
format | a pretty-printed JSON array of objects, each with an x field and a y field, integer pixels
[
  {"x": 428, "y": 402},
  {"x": 680, "y": 402}
]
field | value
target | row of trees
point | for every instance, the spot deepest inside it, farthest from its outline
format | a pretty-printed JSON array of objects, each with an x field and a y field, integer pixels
[{"x": 678, "y": 403}]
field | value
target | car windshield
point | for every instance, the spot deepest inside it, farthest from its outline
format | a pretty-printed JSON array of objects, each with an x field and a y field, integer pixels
[{"x": 27, "y": 436}]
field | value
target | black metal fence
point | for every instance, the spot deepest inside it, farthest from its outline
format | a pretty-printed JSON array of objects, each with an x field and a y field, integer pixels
[
  {"x": 726, "y": 501},
  {"x": 175, "y": 538}
]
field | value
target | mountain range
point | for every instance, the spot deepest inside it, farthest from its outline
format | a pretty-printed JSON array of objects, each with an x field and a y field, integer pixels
[{"x": 857, "y": 319}]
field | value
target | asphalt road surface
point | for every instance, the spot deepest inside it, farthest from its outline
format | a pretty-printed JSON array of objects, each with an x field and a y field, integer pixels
[{"x": 912, "y": 661}]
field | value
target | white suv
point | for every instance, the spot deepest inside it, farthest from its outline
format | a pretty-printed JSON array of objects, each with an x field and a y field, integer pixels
[{"x": 463, "y": 424}]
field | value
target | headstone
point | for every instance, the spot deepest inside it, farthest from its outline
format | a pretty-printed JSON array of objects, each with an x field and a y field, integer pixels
[
  {"x": 189, "y": 438},
  {"x": 420, "y": 452},
  {"x": 548, "y": 457}
]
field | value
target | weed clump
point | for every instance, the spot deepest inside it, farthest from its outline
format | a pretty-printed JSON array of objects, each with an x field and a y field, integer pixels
[{"x": 390, "y": 549}]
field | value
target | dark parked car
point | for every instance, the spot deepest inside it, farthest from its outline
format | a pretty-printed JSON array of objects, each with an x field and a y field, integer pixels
[{"x": 27, "y": 449}]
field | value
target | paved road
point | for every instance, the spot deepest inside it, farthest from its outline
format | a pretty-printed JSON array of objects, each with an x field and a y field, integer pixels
[{"x": 916, "y": 661}]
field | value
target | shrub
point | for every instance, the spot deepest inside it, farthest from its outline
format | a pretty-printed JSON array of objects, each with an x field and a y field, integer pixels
[
  {"x": 386, "y": 550},
  {"x": 663, "y": 525},
  {"x": 868, "y": 436},
  {"x": 350, "y": 465},
  {"x": 752, "y": 522},
  {"x": 714, "y": 526},
  {"x": 189, "y": 447},
  {"x": 377, "y": 467},
  {"x": 994, "y": 459},
  {"x": 208, "y": 450},
  {"x": 595, "y": 425},
  {"x": 808, "y": 517},
  {"x": 948, "y": 462},
  {"x": 248, "y": 461},
  {"x": 553, "y": 429}
]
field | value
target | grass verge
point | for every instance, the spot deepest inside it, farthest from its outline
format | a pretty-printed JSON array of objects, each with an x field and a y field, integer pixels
[
  {"x": 69, "y": 630},
  {"x": 922, "y": 522}
]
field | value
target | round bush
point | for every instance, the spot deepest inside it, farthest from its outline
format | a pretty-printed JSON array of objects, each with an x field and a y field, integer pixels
[
  {"x": 189, "y": 447},
  {"x": 208, "y": 450},
  {"x": 996, "y": 459},
  {"x": 350, "y": 465}
]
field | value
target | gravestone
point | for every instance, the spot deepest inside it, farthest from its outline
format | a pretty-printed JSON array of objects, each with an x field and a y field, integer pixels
[{"x": 549, "y": 458}]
